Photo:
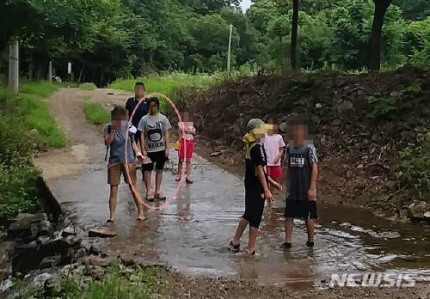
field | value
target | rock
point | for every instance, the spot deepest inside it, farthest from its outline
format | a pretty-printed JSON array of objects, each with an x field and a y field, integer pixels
[
  {"x": 49, "y": 262},
  {"x": 68, "y": 231},
  {"x": 216, "y": 154},
  {"x": 39, "y": 280},
  {"x": 43, "y": 239},
  {"x": 80, "y": 253},
  {"x": 33, "y": 132},
  {"x": 417, "y": 209},
  {"x": 282, "y": 127},
  {"x": 102, "y": 233},
  {"x": 427, "y": 215},
  {"x": 22, "y": 226},
  {"x": 98, "y": 261}
]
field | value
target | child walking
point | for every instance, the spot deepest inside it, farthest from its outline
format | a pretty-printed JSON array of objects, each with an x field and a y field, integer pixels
[
  {"x": 186, "y": 146},
  {"x": 275, "y": 147},
  {"x": 256, "y": 185},
  {"x": 115, "y": 139},
  {"x": 302, "y": 173}
]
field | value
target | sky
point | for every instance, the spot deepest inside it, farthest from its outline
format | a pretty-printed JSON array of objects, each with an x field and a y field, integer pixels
[{"x": 245, "y": 4}]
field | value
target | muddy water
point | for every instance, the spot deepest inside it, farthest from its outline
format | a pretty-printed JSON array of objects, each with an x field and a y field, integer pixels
[{"x": 192, "y": 232}]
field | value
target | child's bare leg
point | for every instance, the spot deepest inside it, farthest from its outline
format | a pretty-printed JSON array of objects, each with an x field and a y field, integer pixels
[
  {"x": 158, "y": 179},
  {"x": 178, "y": 176},
  {"x": 289, "y": 223},
  {"x": 189, "y": 170},
  {"x": 253, "y": 232},
  {"x": 239, "y": 231},
  {"x": 310, "y": 227},
  {"x": 147, "y": 177},
  {"x": 137, "y": 202},
  {"x": 113, "y": 196}
]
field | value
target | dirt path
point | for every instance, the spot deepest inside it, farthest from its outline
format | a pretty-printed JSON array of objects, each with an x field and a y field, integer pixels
[{"x": 187, "y": 234}]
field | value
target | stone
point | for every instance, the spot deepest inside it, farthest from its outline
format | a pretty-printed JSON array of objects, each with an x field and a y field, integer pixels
[
  {"x": 39, "y": 280},
  {"x": 216, "y": 154},
  {"x": 417, "y": 209},
  {"x": 49, "y": 262},
  {"x": 427, "y": 215},
  {"x": 101, "y": 232},
  {"x": 68, "y": 231},
  {"x": 22, "y": 227},
  {"x": 98, "y": 261},
  {"x": 80, "y": 253},
  {"x": 43, "y": 239}
]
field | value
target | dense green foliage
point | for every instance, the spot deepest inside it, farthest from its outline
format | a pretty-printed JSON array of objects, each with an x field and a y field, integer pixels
[
  {"x": 109, "y": 39},
  {"x": 19, "y": 116}
]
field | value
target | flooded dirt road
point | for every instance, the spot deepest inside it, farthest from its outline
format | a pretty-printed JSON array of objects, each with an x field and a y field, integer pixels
[{"x": 191, "y": 234}]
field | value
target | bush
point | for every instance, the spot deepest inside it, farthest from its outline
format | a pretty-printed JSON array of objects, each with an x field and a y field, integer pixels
[
  {"x": 87, "y": 86},
  {"x": 414, "y": 170},
  {"x": 19, "y": 115}
]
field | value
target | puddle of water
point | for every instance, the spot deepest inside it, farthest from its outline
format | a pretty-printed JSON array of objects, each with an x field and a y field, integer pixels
[{"x": 191, "y": 234}]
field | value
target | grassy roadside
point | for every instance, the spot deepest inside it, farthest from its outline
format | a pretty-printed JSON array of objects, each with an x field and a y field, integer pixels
[
  {"x": 25, "y": 127},
  {"x": 96, "y": 113}
]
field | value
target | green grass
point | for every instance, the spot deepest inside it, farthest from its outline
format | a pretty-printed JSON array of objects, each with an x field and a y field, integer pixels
[
  {"x": 87, "y": 86},
  {"x": 41, "y": 88},
  {"x": 141, "y": 283},
  {"x": 166, "y": 83},
  {"x": 96, "y": 113}
]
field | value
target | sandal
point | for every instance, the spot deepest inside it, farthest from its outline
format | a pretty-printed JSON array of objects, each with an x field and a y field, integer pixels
[
  {"x": 178, "y": 178},
  {"x": 141, "y": 219},
  {"x": 110, "y": 221},
  {"x": 160, "y": 197},
  {"x": 189, "y": 181},
  {"x": 150, "y": 197}
]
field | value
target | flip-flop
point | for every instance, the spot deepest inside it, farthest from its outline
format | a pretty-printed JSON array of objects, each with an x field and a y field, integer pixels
[
  {"x": 160, "y": 197},
  {"x": 110, "y": 221},
  {"x": 189, "y": 181},
  {"x": 150, "y": 197},
  {"x": 141, "y": 219},
  {"x": 178, "y": 178}
]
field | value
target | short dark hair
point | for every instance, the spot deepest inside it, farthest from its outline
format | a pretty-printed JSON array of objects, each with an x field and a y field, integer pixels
[
  {"x": 139, "y": 84},
  {"x": 298, "y": 120},
  {"x": 118, "y": 111},
  {"x": 153, "y": 99}
]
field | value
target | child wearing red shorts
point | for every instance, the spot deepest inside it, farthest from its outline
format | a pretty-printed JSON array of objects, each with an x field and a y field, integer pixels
[
  {"x": 275, "y": 147},
  {"x": 186, "y": 146}
]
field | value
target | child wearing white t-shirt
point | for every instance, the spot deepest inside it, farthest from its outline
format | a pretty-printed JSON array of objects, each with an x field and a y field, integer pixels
[{"x": 275, "y": 147}]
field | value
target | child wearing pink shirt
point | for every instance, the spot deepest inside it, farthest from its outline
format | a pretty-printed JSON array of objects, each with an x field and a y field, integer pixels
[{"x": 275, "y": 147}]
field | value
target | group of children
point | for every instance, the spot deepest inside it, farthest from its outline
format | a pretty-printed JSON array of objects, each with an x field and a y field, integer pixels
[
  {"x": 265, "y": 152},
  {"x": 146, "y": 145},
  {"x": 265, "y": 155}
]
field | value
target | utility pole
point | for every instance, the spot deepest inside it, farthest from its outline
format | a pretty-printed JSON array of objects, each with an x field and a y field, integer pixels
[
  {"x": 50, "y": 71},
  {"x": 229, "y": 50},
  {"x": 14, "y": 67}
]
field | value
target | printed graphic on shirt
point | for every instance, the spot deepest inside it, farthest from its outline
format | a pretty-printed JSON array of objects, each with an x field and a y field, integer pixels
[
  {"x": 155, "y": 135},
  {"x": 297, "y": 161}
]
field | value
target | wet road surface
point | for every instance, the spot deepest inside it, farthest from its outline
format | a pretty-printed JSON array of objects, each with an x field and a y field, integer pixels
[{"x": 191, "y": 233}]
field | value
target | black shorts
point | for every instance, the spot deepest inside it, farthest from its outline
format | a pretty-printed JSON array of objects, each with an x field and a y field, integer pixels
[
  {"x": 254, "y": 207},
  {"x": 157, "y": 158},
  {"x": 302, "y": 209}
]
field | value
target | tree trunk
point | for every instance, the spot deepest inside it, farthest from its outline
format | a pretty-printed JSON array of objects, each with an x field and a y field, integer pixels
[
  {"x": 81, "y": 73},
  {"x": 294, "y": 25},
  {"x": 381, "y": 7}
]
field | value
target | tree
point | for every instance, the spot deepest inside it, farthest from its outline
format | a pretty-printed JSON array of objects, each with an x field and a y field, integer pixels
[
  {"x": 294, "y": 27},
  {"x": 381, "y": 7}
]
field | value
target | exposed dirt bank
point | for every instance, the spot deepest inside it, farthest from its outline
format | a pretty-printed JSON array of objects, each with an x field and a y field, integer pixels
[{"x": 360, "y": 123}]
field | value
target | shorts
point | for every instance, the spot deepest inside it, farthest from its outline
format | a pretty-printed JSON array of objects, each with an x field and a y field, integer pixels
[
  {"x": 303, "y": 209},
  {"x": 116, "y": 169},
  {"x": 275, "y": 172},
  {"x": 159, "y": 158},
  {"x": 254, "y": 207},
  {"x": 190, "y": 149}
]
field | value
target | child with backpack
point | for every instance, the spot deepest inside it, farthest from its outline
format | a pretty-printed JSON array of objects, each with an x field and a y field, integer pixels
[
  {"x": 115, "y": 139},
  {"x": 301, "y": 172}
]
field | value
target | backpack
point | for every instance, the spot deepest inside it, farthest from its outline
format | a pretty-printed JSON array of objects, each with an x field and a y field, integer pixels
[{"x": 131, "y": 131}]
